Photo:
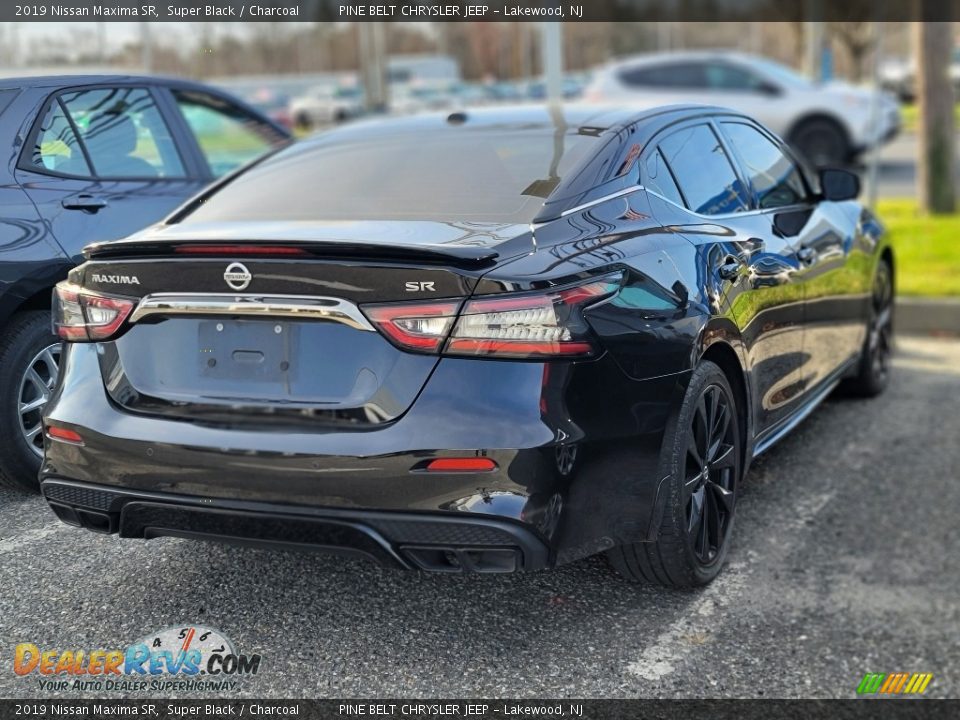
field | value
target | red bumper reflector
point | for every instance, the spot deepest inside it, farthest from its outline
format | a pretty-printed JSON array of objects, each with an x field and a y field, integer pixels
[
  {"x": 64, "y": 435},
  {"x": 475, "y": 464}
]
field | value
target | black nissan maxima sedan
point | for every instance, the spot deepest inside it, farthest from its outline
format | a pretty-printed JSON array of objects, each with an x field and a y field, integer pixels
[{"x": 474, "y": 342}]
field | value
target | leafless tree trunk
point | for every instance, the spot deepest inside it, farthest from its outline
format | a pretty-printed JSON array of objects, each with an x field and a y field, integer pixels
[
  {"x": 935, "y": 164},
  {"x": 857, "y": 39}
]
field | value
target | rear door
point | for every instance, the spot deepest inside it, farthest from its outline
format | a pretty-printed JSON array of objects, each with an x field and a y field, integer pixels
[{"x": 102, "y": 162}]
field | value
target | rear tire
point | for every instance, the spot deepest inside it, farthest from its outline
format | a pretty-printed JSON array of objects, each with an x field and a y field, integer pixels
[
  {"x": 874, "y": 372},
  {"x": 703, "y": 456},
  {"x": 29, "y": 365},
  {"x": 822, "y": 142}
]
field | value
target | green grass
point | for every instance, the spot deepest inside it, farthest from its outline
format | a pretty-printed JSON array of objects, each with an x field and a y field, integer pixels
[
  {"x": 910, "y": 116},
  {"x": 927, "y": 249}
]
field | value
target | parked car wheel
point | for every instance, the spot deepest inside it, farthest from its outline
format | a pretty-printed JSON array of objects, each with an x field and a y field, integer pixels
[
  {"x": 704, "y": 463},
  {"x": 29, "y": 366},
  {"x": 874, "y": 372},
  {"x": 822, "y": 142}
]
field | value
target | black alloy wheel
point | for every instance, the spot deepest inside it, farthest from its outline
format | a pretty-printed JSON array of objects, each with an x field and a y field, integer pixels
[
  {"x": 710, "y": 484},
  {"x": 874, "y": 372},
  {"x": 29, "y": 369},
  {"x": 702, "y": 457},
  {"x": 880, "y": 338}
]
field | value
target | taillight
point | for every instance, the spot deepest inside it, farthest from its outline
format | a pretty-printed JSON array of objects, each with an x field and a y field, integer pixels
[
  {"x": 414, "y": 326},
  {"x": 530, "y": 325},
  {"x": 80, "y": 316}
]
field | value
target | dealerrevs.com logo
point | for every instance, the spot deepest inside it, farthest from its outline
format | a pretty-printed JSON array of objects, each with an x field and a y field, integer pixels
[{"x": 178, "y": 658}]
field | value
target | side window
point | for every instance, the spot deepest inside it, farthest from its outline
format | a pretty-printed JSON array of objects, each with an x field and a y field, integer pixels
[
  {"x": 721, "y": 76},
  {"x": 775, "y": 179},
  {"x": 57, "y": 148},
  {"x": 227, "y": 136},
  {"x": 659, "y": 179},
  {"x": 123, "y": 133},
  {"x": 703, "y": 171},
  {"x": 669, "y": 75}
]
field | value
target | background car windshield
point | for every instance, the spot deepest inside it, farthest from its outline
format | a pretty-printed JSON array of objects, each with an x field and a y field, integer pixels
[
  {"x": 500, "y": 176},
  {"x": 228, "y": 137}
]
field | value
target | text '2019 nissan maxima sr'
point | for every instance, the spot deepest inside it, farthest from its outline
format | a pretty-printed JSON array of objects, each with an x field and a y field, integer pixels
[{"x": 479, "y": 342}]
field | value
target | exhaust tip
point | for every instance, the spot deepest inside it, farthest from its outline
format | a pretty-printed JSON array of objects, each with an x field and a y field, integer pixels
[{"x": 463, "y": 559}]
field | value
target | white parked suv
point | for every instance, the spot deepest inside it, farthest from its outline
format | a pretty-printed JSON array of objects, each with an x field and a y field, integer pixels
[{"x": 830, "y": 124}]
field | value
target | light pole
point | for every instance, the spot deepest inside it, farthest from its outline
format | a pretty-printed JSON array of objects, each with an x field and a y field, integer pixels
[
  {"x": 552, "y": 56},
  {"x": 146, "y": 47}
]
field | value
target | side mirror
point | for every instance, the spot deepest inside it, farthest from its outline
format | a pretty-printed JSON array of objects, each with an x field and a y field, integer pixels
[
  {"x": 790, "y": 223},
  {"x": 839, "y": 184}
]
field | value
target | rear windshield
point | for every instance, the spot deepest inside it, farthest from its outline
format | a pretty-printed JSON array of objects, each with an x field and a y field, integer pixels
[{"x": 451, "y": 174}]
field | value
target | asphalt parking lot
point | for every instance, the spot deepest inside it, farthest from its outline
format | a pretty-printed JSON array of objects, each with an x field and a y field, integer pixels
[{"x": 844, "y": 562}]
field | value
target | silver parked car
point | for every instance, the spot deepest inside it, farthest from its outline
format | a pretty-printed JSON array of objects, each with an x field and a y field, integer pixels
[
  {"x": 830, "y": 124},
  {"x": 326, "y": 105}
]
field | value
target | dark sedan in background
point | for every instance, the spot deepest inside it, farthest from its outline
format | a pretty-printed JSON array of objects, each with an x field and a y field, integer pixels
[
  {"x": 91, "y": 158},
  {"x": 485, "y": 341}
]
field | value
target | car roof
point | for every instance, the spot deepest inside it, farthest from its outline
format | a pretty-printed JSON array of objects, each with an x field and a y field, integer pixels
[
  {"x": 580, "y": 117},
  {"x": 68, "y": 80},
  {"x": 657, "y": 58}
]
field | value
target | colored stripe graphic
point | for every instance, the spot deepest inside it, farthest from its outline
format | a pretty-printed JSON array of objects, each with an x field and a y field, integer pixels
[
  {"x": 870, "y": 683},
  {"x": 894, "y": 683}
]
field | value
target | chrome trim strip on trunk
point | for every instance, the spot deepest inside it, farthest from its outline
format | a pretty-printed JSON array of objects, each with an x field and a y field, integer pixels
[{"x": 305, "y": 307}]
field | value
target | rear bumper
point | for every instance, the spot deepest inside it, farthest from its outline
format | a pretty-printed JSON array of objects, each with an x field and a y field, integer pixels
[
  {"x": 576, "y": 446},
  {"x": 440, "y": 543}
]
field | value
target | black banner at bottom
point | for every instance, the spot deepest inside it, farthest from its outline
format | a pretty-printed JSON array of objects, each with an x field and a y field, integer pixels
[{"x": 860, "y": 709}]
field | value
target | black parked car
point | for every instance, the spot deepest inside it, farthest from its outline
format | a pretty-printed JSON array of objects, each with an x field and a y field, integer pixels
[
  {"x": 91, "y": 158},
  {"x": 488, "y": 341}
]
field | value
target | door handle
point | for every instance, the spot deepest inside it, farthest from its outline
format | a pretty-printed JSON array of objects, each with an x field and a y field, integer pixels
[
  {"x": 84, "y": 201},
  {"x": 807, "y": 255}
]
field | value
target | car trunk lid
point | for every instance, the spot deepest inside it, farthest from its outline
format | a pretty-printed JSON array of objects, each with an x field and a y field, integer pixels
[{"x": 265, "y": 325}]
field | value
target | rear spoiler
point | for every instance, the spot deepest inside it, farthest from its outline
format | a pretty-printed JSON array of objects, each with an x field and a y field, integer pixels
[{"x": 462, "y": 256}]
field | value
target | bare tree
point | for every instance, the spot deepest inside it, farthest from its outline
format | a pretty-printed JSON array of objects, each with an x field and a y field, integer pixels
[{"x": 857, "y": 38}]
